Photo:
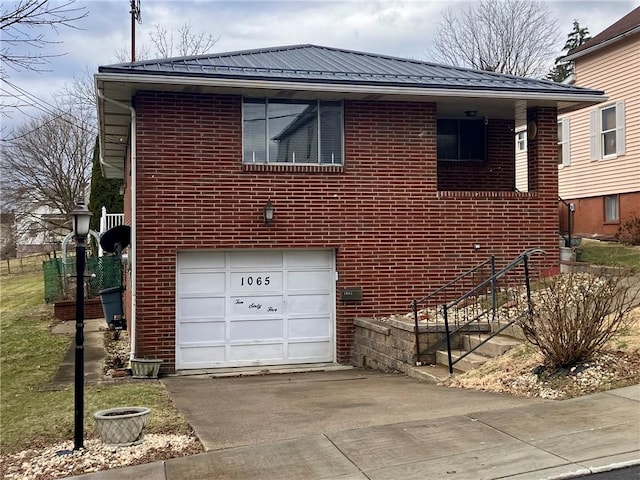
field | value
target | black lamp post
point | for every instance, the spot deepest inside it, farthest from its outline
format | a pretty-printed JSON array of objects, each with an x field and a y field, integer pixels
[{"x": 81, "y": 218}]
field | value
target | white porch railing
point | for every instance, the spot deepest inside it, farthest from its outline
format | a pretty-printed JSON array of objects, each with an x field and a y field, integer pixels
[{"x": 108, "y": 221}]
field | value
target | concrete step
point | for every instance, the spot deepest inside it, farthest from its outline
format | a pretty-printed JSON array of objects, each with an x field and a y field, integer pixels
[
  {"x": 513, "y": 331},
  {"x": 470, "y": 362},
  {"x": 494, "y": 347},
  {"x": 430, "y": 373}
]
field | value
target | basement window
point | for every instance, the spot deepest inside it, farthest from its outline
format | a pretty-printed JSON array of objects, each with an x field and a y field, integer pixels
[{"x": 611, "y": 209}]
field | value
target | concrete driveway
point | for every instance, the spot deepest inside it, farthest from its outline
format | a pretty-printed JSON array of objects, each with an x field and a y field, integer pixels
[{"x": 230, "y": 412}]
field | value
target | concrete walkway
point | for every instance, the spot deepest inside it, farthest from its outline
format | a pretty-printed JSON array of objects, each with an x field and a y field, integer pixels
[
  {"x": 354, "y": 424},
  {"x": 94, "y": 353}
]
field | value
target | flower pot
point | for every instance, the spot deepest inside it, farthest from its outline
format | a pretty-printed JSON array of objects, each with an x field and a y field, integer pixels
[
  {"x": 145, "y": 367},
  {"x": 123, "y": 426},
  {"x": 567, "y": 254}
]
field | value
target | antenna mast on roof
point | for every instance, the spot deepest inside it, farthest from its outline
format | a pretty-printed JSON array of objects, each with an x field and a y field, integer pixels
[{"x": 136, "y": 15}]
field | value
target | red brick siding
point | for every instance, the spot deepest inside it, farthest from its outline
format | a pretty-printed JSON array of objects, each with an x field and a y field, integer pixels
[
  {"x": 588, "y": 217},
  {"x": 394, "y": 234},
  {"x": 66, "y": 309}
]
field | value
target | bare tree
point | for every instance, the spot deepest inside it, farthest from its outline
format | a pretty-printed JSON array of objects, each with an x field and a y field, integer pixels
[
  {"x": 45, "y": 168},
  {"x": 21, "y": 27},
  {"x": 186, "y": 43},
  {"x": 516, "y": 37},
  {"x": 182, "y": 43}
]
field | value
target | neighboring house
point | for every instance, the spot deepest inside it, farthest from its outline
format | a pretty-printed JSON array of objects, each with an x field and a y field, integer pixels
[
  {"x": 40, "y": 229},
  {"x": 599, "y": 146},
  {"x": 388, "y": 177}
]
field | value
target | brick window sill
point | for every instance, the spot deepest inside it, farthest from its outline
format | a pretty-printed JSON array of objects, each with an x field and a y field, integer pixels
[
  {"x": 299, "y": 168},
  {"x": 484, "y": 195}
]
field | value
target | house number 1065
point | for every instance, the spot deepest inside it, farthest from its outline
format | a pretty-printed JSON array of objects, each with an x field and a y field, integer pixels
[{"x": 254, "y": 281}]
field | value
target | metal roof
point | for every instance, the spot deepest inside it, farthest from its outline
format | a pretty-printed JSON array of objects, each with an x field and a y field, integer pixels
[
  {"x": 311, "y": 63},
  {"x": 314, "y": 72}
]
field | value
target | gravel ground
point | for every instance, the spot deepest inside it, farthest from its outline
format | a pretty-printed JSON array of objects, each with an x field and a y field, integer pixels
[
  {"x": 515, "y": 374},
  {"x": 46, "y": 464}
]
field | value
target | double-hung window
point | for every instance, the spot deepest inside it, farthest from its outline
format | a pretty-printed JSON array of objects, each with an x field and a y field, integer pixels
[
  {"x": 607, "y": 132},
  {"x": 292, "y": 131},
  {"x": 563, "y": 142}
]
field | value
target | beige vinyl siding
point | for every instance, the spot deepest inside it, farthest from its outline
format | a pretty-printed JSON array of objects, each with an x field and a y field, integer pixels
[
  {"x": 616, "y": 70},
  {"x": 522, "y": 174}
]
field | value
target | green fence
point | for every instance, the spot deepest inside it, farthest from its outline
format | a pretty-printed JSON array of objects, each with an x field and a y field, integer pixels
[{"x": 60, "y": 278}]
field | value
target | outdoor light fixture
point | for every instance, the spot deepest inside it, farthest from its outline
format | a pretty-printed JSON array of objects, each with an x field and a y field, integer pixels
[
  {"x": 81, "y": 219},
  {"x": 268, "y": 212}
]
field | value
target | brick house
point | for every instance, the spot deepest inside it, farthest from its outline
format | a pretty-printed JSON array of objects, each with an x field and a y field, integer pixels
[{"x": 386, "y": 176}]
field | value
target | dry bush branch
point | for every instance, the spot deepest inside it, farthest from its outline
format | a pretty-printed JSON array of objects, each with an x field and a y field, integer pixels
[{"x": 576, "y": 314}]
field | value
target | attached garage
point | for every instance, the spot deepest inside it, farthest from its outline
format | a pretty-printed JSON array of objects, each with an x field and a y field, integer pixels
[{"x": 254, "y": 307}]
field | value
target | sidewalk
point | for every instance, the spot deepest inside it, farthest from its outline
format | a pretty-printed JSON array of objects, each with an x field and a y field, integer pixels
[{"x": 535, "y": 440}]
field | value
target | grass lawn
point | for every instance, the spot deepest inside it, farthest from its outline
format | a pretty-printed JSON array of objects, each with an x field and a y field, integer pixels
[
  {"x": 610, "y": 254},
  {"x": 32, "y": 416}
]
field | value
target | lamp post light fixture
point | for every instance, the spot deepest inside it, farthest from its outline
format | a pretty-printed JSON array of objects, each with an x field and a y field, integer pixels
[
  {"x": 268, "y": 212},
  {"x": 81, "y": 219}
]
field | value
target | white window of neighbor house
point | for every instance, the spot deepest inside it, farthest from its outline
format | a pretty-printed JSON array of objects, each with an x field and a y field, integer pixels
[
  {"x": 564, "y": 149},
  {"x": 292, "y": 131},
  {"x": 611, "y": 209},
  {"x": 521, "y": 141},
  {"x": 607, "y": 131}
]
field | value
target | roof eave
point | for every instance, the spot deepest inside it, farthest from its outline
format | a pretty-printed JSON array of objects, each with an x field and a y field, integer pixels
[
  {"x": 598, "y": 46},
  {"x": 113, "y": 166},
  {"x": 593, "y": 96}
]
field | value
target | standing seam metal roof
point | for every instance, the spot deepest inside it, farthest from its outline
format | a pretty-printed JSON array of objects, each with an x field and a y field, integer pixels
[{"x": 311, "y": 63}]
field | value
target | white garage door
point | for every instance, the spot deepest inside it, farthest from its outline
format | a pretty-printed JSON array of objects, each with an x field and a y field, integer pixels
[{"x": 258, "y": 307}]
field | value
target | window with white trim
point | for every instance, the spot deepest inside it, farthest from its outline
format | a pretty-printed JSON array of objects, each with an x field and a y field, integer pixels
[
  {"x": 564, "y": 150},
  {"x": 292, "y": 131},
  {"x": 611, "y": 209},
  {"x": 521, "y": 141},
  {"x": 607, "y": 133}
]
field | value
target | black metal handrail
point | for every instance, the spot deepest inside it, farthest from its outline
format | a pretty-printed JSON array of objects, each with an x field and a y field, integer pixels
[
  {"x": 523, "y": 259},
  {"x": 472, "y": 304},
  {"x": 416, "y": 303}
]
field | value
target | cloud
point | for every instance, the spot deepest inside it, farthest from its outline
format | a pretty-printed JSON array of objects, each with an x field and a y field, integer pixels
[{"x": 397, "y": 28}]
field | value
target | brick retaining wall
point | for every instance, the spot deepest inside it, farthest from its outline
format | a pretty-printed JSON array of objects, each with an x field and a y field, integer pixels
[
  {"x": 66, "y": 309},
  {"x": 390, "y": 346}
]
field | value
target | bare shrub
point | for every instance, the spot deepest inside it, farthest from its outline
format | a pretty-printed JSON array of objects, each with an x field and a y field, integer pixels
[
  {"x": 629, "y": 231},
  {"x": 576, "y": 314}
]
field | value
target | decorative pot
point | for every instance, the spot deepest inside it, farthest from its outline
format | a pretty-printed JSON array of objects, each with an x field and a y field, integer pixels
[
  {"x": 123, "y": 426},
  {"x": 567, "y": 254},
  {"x": 145, "y": 367}
]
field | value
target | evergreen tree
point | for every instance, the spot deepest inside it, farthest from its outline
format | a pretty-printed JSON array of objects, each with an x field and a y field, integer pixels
[
  {"x": 104, "y": 192},
  {"x": 564, "y": 69}
]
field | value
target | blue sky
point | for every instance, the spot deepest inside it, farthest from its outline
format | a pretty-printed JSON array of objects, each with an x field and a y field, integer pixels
[{"x": 399, "y": 28}]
